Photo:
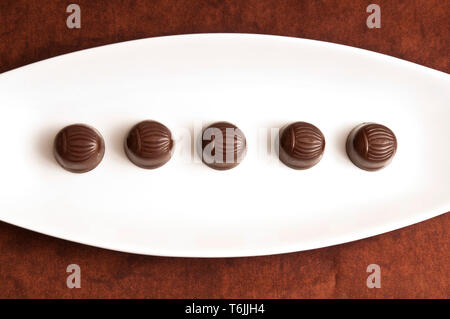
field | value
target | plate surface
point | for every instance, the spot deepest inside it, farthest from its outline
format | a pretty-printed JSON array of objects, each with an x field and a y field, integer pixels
[{"x": 259, "y": 83}]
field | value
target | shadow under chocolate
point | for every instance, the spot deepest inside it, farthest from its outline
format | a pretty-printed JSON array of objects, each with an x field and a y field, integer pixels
[{"x": 44, "y": 143}]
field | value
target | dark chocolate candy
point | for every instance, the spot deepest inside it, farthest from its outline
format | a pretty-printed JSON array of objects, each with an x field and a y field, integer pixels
[
  {"x": 301, "y": 145},
  {"x": 78, "y": 148},
  {"x": 371, "y": 146},
  {"x": 223, "y": 146},
  {"x": 149, "y": 144}
]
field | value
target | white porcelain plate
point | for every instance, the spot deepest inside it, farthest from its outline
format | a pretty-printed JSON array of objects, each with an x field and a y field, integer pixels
[{"x": 257, "y": 82}]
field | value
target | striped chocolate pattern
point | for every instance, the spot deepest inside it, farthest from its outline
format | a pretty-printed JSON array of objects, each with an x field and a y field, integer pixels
[
  {"x": 78, "y": 148},
  {"x": 301, "y": 145},
  {"x": 306, "y": 142},
  {"x": 376, "y": 143},
  {"x": 149, "y": 144},
  {"x": 150, "y": 139},
  {"x": 77, "y": 143}
]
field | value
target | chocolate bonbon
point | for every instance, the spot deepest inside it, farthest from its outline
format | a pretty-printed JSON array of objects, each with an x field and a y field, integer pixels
[
  {"x": 371, "y": 146},
  {"x": 78, "y": 148},
  {"x": 149, "y": 144},
  {"x": 301, "y": 145},
  {"x": 223, "y": 146}
]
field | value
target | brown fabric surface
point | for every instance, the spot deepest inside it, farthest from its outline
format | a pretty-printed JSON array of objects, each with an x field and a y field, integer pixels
[{"x": 414, "y": 261}]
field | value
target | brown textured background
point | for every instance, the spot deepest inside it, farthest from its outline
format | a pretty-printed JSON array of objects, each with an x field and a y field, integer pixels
[{"x": 415, "y": 261}]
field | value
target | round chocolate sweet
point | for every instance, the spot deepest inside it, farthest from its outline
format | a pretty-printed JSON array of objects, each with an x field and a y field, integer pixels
[
  {"x": 223, "y": 146},
  {"x": 78, "y": 148},
  {"x": 371, "y": 146},
  {"x": 149, "y": 144},
  {"x": 301, "y": 145}
]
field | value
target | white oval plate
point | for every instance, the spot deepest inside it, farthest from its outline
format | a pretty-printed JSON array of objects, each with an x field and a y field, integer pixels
[{"x": 257, "y": 82}]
